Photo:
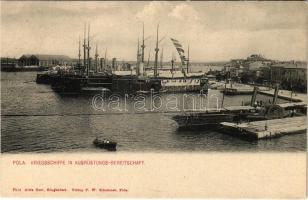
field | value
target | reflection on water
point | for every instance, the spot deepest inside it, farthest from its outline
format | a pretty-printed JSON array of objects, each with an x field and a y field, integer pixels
[{"x": 35, "y": 119}]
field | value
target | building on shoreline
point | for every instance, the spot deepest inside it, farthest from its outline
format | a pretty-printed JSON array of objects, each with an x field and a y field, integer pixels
[
  {"x": 7, "y": 63},
  {"x": 42, "y": 60},
  {"x": 246, "y": 70},
  {"x": 290, "y": 75}
]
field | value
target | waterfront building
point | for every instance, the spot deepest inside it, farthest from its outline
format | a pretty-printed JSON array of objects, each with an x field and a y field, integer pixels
[
  {"x": 248, "y": 70},
  {"x": 42, "y": 60},
  {"x": 289, "y": 74},
  {"x": 256, "y": 57},
  {"x": 8, "y": 62}
]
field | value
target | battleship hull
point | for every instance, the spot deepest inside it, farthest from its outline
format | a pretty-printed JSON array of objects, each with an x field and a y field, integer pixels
[
  {"x": 75, "y": 84},
  {"x": 45, "y": 78},
  {"x": 133, "y": 84},
  {"x": 128, "y": 84}
]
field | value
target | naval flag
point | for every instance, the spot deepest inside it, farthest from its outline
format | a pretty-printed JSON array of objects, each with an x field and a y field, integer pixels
[{"x": 179, "y": 49}]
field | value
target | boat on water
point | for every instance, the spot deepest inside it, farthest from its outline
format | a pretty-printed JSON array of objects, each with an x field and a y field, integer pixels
[
  {"x": 45, "y": 77},
  {"x": 238, "y": 114},
  {"x": 78, "y": 83},
  {"x": 105, "y": 144},
  {"x": 235, "y": 114}
]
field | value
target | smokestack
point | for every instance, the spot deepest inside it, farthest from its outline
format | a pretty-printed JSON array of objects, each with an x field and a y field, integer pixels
[
  {"x": 114, "y": 62},
  {"x": 101, "y": 63}
]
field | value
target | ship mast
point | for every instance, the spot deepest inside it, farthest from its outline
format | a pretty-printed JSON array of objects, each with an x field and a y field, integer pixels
[
  {"x": 187, "y": 63},
  {"x": 96, "y": 59},
  {"x": 138, "y": 57},
  {"x": 79, "y": 55},
  {"x": 156, "y": 54},
  {"x": 84, "y": 48},
  {"x": 138, "y": 52},
  {"x": 142, "y": 46},
  {"x": 105, "y": 59},
  {"x": 172, "y": 63},
  {"x": 149, "y": 58},
  {"x": 89, "y": 48},
  {"x": 161, "y": 58}
]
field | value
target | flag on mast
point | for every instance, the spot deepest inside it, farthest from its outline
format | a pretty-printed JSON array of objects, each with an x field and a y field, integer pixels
[{"x": 179, "y": 49}]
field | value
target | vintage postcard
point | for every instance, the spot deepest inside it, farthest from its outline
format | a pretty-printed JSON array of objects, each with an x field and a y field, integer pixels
[{"x": 154, "y": 99}]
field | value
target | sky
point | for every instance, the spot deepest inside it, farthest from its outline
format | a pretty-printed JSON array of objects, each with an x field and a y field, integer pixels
[{"x": 214, "y": 31}]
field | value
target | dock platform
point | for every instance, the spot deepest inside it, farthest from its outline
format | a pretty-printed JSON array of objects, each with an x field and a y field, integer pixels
[
  {"x": 267, "y": 128},
  {"x": 286, "y": 94},
  {"x": 241, "y": 89}
]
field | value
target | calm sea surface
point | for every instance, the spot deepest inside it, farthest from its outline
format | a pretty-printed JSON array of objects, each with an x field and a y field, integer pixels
[{"x": 36, "y": 119}]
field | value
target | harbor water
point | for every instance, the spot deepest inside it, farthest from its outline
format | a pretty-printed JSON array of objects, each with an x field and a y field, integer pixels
[{"x": 36, "y": 119}]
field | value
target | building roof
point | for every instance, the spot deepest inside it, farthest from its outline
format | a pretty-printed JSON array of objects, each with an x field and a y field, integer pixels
[
  {"x": 51, "y": 57},
  {"x": 291, "y": 65},
  {"x": 47, "y": 57},
  {"x": 26, "y": 56},
  {"x": 256, "y": 57}
]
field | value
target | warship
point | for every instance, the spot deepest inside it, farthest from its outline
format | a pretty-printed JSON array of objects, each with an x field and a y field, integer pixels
[{"x": 97, "y": 76}]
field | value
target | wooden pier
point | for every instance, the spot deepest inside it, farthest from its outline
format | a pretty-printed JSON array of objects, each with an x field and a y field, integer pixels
[
  {"x": 241, "y": 89},
  {"x": 287, "y": 95},
  {"x": 267, "y": 128},
  {"x": 238, "y": 91}
]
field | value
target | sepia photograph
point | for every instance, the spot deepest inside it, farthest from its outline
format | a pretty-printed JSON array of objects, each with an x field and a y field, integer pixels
[{"x": 152, "y": 77}]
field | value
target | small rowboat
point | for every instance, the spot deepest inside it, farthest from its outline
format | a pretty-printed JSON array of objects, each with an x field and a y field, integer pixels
[{"x": 106, "y": 144}]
